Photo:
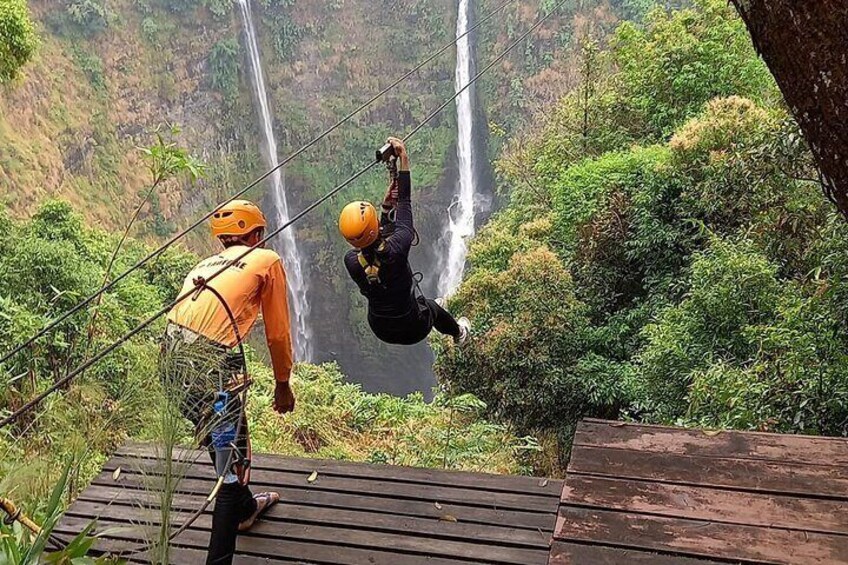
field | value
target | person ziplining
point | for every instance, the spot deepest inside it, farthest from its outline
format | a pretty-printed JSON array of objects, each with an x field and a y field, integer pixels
[
  {"x": 198, "y": 347},
  {"x": 398, "y": 313}
]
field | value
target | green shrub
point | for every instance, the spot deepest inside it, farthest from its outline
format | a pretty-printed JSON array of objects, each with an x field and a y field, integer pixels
[
  {"x": 219, "y": 8},
  {"x": 530, "y": 332},
  {"x": 90, "y": 16},
  {"x": 285, "y": 33},
  {"x": 18, "y": 40},
  {"x": 224, "y": 68},
  {"x": 92, "y": 65},
  {"x": 150, "y": 29},
  {"x": 732, "y": 290}
]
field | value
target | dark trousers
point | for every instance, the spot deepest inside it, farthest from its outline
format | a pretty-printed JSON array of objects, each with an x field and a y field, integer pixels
[
  {"x": 235, "y": 502},
  {"x": 416, "y": 325},
  {"x": 194, "y": 372},
  {"x": 443, "y": 321}
]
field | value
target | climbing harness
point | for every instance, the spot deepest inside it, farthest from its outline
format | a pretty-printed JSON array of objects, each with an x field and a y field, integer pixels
[
  {"x": 371, "y": 265},
  {"x": 165, "y": 246},
  {"x": 225, "y": 436}
]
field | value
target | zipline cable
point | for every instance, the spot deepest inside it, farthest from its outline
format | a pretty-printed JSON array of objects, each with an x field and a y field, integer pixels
[
  {"x": 161, "y": 312},
  {"x": 165, "y": 246}
]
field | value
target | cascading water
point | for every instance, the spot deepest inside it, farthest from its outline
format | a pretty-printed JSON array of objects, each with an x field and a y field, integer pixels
[
  {"x": 287, "y": 243},
  {"x": 461, "y": 210}
]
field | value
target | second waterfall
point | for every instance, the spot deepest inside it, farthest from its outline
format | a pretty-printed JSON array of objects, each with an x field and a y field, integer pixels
[
  {"x": 287, "y": 243},
  {"x": 461, "y": 210}
]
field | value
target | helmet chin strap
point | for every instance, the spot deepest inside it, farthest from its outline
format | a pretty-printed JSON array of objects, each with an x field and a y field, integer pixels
[{"x": 229, "y": 241}]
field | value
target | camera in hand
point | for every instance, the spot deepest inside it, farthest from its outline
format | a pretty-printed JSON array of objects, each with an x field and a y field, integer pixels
[{"x": 385, "y": 153}]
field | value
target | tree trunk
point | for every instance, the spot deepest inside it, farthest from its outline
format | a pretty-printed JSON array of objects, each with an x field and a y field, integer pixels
[{"x": 805, "y": 45}]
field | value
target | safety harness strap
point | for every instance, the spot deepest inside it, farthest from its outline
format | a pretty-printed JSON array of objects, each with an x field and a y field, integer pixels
[{"x": 371, "y": 267}]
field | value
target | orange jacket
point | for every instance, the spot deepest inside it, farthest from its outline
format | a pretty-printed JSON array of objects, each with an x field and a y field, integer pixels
[{"x": 258, "y": 280}]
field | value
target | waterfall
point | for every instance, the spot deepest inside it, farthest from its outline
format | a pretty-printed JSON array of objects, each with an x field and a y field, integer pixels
[
  {"x": 461, "y": 209},
  {"x": 285, "y": 243}
]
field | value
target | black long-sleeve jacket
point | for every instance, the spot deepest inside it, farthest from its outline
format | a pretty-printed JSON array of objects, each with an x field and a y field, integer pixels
[{"x": 392, "y": 296}]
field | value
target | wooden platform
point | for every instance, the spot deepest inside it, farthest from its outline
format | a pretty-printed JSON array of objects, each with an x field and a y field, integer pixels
[
  {"x": 634, "y": 495},
  {"x": 663, "y": 496},
  {"x": 351, "y": 514}
]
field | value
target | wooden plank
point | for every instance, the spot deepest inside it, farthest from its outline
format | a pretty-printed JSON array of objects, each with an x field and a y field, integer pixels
[
  {"x": 469, "y": 480},
  {"x": 330, "y": 501},
  {"x": 736, "y": 474},
  {"x": 295, "y": 552},
  {"x": 292, "y": 513},
  {"x": 727, "y": 444},
  {"x": 272, "y": 539},
  {"x": 563, "y": 553},
  {"x": 701, "y": 503},
  {"x": 203, "y": 487},
  {"x": 701, "y": 539},
  {"x": 285, "y": 479}
]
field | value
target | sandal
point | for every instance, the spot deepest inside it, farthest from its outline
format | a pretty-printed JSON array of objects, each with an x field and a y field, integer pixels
[{"x": 264, "y": 502}]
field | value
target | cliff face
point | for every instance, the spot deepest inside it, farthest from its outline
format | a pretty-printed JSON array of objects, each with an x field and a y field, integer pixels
[
  {"x": 111, "y": 71},
  {"x": 93, "y": 94}
]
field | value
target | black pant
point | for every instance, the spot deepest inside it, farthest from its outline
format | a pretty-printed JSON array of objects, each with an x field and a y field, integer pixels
[
  {"x": 235, "y": 502},
  {"x": 415, "y": 325},
  {"x": 193, "y": 373}
]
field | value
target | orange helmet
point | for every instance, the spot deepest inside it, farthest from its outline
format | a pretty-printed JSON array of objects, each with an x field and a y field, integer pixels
[
  {"x": 359, "y": 224},
  {"x": 238, "y": 217}
]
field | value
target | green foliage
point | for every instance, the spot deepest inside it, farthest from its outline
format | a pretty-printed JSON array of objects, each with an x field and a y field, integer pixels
[
  {"x": 92, "y": 65},
  {"x": 335, "y": 419},
  {"x": 18, "y": 40},
  {"x": 679, "y": 61},
  {"x": 89, "y": 16},
  {"x": 224, "y": 68},
  {"x": 219, "y": 8},
  {"x": 49, "y": 263},
  {"x": 704, "y": 269},
  {"x": 732, "y": 289},
  {"x": 150, "y": 28},
  {"x": 167, "y": 159},
  {"x": 19, "y": 546},
  {"x": 285, "y": 33},
  {"x": 651, "y": 79},
  {"x": 530, "y": 332}
]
